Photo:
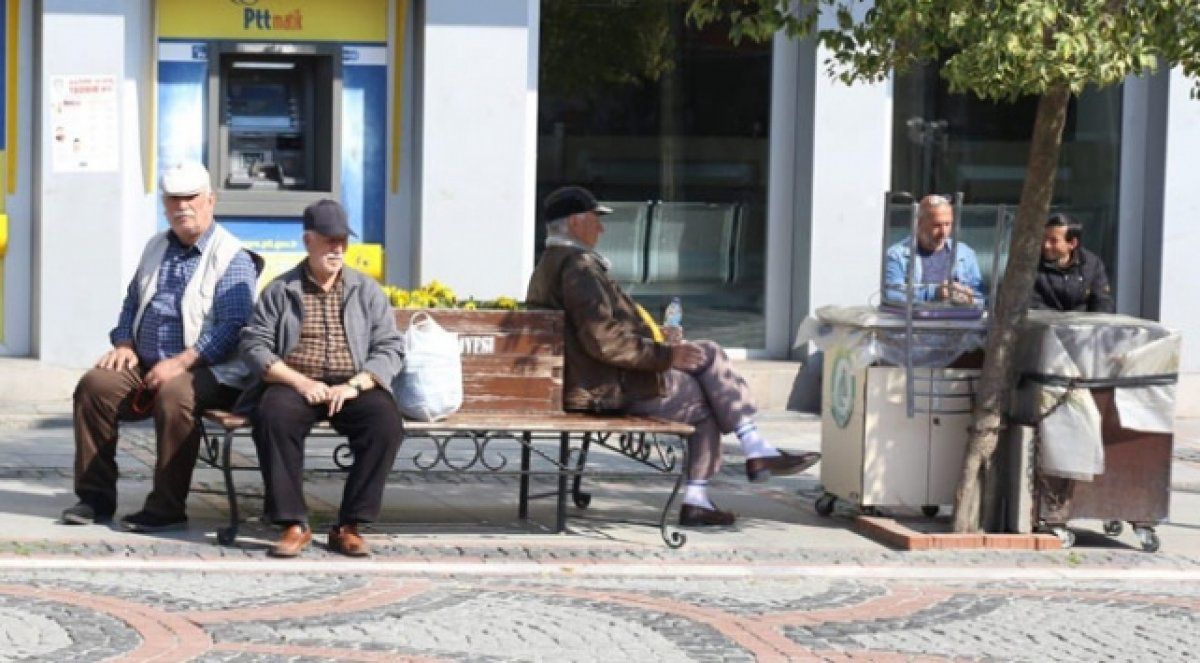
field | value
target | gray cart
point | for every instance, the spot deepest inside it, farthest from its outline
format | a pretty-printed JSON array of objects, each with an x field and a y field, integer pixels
[{"x": 1098, "y": 392}]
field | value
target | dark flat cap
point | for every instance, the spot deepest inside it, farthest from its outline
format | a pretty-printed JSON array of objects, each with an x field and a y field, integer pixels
[
  {"x": 570, "y": 200},
  {"x": 327, "y": 217}
]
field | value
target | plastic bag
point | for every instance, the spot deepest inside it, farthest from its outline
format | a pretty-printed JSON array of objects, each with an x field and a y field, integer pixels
[{"x": 429, "y": 388}]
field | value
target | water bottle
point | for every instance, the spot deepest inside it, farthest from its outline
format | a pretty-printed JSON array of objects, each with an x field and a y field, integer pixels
[{"x": 673, "y": 315}]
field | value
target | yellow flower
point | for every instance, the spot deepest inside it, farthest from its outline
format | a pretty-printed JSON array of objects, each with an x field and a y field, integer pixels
[{"x": 399, "y": 298}]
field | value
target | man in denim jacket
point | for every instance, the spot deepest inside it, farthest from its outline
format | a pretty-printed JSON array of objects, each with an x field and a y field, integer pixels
[{"x": 932, "y": 273}]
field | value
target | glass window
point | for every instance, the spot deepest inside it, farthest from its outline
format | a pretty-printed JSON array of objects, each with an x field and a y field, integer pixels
[
  {"x": 667, "y": 125},
  {"x": 946, "y": 142}
]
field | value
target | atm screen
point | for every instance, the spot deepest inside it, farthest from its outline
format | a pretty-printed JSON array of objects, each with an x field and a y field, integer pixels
[{"x": 261, "y": 106}]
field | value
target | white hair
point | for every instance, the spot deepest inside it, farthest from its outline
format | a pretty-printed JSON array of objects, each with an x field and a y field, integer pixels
[{"x": 558, "y": 227}]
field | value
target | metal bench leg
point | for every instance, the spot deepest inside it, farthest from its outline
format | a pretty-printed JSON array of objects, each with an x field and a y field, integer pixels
[
  {"x": 523, "y": 504},
  {"x": 581, "y": 499},
  {"x": 227, "y": 535},
  {"x": 674, "y": 539},
  {"x": 564, "y": 460}
]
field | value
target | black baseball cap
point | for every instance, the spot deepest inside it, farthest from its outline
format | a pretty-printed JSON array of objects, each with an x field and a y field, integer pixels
[
  {"x": 570, "y": 200},
  {"x": 327, "y": 217}
]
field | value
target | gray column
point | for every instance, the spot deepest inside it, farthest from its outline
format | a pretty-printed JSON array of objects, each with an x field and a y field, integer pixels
[
  {"x": 1180, "y": 270},
  {"x": 90, "y": 226},
  {"x": 478, "y": 145}
]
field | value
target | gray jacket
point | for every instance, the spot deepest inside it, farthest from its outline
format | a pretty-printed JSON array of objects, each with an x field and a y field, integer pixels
[{"x": 274, "y": 330}]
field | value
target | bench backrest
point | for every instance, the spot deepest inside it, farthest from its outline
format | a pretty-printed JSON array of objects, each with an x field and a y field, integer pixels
[{"x": 512, "y": 361}]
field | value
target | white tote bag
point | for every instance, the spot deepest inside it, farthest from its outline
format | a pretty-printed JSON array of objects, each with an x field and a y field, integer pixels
[{"x": 429, "y": 388}]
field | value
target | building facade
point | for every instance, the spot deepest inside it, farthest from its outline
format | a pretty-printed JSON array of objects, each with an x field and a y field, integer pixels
[{"x": 746, "y": 181}]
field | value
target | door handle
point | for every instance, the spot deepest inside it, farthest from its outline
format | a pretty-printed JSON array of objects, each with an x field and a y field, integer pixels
[
  {"x": 937, "y": 421},
  {"x": 3, "y": 234}
]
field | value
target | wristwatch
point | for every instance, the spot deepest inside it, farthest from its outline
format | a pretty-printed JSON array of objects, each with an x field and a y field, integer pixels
[{"x": 358, "y": 383}]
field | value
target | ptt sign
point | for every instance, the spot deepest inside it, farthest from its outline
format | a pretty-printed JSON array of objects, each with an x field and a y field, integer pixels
[{"x": 263, "y": 19}]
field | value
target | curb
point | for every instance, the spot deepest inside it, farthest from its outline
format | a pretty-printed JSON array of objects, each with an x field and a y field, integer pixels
[{"x": 889, "y": 532}]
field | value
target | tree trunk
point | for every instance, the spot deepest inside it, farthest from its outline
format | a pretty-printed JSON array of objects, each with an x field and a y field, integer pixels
[{"x": 1012, "y": 300}]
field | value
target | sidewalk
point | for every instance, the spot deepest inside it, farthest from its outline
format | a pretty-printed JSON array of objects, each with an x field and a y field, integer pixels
[{"x": 472, "y": 519}]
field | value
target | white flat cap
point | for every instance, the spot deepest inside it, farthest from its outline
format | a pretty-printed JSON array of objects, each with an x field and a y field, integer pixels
[{"x": 186, "y": 178}]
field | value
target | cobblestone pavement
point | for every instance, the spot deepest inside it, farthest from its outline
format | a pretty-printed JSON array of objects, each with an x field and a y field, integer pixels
[
  {"x": 785, "y": 584},
  {"x": 59, "y": 615}
]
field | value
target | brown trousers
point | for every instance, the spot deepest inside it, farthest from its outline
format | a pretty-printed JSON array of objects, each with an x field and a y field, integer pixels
[
  {"x": 105, "y": 397},
  {"x": 714, "y": 399}
]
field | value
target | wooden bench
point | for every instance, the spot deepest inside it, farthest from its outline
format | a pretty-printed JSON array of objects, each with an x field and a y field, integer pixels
[{"x": 512, "y": 390}]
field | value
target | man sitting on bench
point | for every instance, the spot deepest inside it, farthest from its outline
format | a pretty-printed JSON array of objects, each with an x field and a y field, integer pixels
[
  {"x": 616, "y": 359},
  {"x": 323, "y": 340}
]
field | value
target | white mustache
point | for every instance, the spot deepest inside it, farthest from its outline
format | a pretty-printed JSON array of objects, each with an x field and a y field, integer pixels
[{"x": 182, "y": 214}]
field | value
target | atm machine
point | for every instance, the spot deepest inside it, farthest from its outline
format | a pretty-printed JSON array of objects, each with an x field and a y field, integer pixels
[
  {"x": 282, "y": 117},
  {"x": 271, "y": 120}
]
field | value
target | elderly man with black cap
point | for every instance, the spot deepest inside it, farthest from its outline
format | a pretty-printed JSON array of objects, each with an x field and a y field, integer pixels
[
  {"x": 323, "y": 341},
  {"x": 174, "y": 355},
  {"x": 617, "y": 359}
]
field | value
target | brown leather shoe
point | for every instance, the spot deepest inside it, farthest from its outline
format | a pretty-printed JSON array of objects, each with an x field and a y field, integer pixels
[
  {"x": 346, "y": 540},
  {"x": 697, "y": 516},
  {"x": 293, "y": 540},
  {"x": 761, "y": 469}
]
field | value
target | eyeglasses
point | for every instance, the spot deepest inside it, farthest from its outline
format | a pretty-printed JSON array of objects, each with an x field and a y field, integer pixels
[{"x": 143, "y": 401}]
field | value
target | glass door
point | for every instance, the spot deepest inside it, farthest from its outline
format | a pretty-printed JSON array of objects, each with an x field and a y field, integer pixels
[
  {"x": 668, "y": 125},
  {"x": 945, "y": 142}
]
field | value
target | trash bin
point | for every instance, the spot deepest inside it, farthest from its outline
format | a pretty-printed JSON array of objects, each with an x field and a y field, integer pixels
[{"x": 1099, "y": 392}]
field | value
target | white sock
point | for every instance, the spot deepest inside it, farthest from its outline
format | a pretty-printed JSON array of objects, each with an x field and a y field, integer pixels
[
  {"x": 696, "y": 494},
  {"x": 753, "y": 444}
]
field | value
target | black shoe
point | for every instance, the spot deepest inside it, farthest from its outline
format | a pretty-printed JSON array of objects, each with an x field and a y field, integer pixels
[
  {"x": 761, "y": 469},
  {"x": 84, "y": 514},
  {"x": 144, "y": 521},
  {"x": 697, "y": 516}
]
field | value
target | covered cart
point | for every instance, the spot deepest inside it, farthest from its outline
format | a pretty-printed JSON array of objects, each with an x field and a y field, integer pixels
[
  {"x": 1097, "y": 392},
  {"x": 896, "y": 405}
]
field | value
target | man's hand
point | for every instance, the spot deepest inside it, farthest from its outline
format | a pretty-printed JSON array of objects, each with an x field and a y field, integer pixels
[
  {"x": 313, "y": 392},
  {"x": 118, "y": 359},
  {"x": 672, "y": 333},
  {"x": 686, "y": 356},
  {"x": 163, "y": 372},
  {"x": 338, "y": 395},
  {"x": 956, "y": 292}
]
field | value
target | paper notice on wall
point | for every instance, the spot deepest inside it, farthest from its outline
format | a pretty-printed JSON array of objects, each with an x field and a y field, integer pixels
[{"x": 84, "y": 122}]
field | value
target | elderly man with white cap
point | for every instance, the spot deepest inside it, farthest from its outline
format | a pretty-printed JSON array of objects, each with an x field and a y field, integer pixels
[{"x": 174, "y": 355}]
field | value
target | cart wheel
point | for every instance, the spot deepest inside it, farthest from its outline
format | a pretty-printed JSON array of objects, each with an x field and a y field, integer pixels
[
  {"x": 1148, "y": 538},
  {"x": 226, "y": 536},
  {"x": 930, "y": 510},
  {"x": 1065, "y": 536},
  {"x": 824, "y": 504},
  {"x": 1113, "y": 527},
  {"x": 871, "y": 511}
]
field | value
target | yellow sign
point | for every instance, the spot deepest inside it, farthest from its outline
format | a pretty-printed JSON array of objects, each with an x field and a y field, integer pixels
[
  {"x": 366, "y": 258},
  {"x": 274, "y": 20}
]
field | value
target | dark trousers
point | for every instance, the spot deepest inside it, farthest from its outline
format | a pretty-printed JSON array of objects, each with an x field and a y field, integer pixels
[
  {"x": 104, "y": 397},
  {"x": 282, "y": 422}
]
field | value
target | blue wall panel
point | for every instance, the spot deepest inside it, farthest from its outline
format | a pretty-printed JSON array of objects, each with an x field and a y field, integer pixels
[{"x": 364, "y": 148}]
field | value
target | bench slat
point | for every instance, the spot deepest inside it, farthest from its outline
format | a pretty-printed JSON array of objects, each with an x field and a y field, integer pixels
[
  {"x": 511, "y": 422},
  {"x": 567, "y": 422}
]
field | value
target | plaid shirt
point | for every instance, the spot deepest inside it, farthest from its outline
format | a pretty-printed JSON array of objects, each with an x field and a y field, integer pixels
[
  {"x": 160, "y": 334},
  {"x": 322, "y": 353}
]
